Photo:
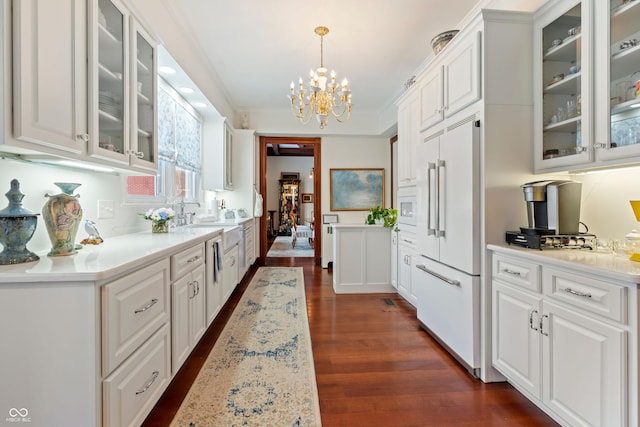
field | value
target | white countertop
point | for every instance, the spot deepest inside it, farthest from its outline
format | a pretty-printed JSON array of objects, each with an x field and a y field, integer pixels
[
  {"x": 607, "y": 265},
  {"x": 114, "y": 257}
]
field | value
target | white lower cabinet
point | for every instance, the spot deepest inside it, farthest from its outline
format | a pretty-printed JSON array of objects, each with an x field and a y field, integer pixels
[
  {"x": 406, "y": 255},
  {"x": 213, "y": 263},
  {"x": 188, "y": 316},
  {"x": 563, "y": 342},
  {"x": 130, "y": 392},
  {"x": 230, "y": 274}
]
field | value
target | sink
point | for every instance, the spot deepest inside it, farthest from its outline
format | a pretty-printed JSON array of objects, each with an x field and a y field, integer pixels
[{"x": 231, "y": 236}]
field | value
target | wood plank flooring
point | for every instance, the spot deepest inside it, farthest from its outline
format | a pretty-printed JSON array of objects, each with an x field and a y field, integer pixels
[{"x": 374, "y": 366}]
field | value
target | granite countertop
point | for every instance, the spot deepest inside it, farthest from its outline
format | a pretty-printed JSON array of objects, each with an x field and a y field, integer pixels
[
  {"x": 605, "y": 265},
  {"x": 115, "y": 257}
]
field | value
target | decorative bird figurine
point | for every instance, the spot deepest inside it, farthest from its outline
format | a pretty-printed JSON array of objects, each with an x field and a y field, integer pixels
[{"x": 94, "y": 235}]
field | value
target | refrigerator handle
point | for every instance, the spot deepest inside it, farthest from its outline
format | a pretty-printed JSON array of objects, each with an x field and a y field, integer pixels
[
  {"x": 439, "y": 192},
  {"x": 451, "y": 282},
  {"x": 431, "y": 231}
]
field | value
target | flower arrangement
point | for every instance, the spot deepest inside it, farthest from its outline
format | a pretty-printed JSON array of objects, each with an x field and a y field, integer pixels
[{"x": 159, "y": 219}]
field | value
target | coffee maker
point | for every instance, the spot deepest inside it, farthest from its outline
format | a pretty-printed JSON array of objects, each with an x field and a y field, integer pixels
[{"x": 553, "y": 215}]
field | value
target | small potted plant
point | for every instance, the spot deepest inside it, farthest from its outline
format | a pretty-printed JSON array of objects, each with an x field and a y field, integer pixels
[{"x": 387, "y": 216}]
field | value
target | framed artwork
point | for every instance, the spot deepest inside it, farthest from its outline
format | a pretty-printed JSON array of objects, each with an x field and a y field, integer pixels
[
  {"x": 289, "y": 175},
  {"x": 329, "y": 218},
  {"x": 356, "y": 189},
  {"x": 307, "y": 198}
]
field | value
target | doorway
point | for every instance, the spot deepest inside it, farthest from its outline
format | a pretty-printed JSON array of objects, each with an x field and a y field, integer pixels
[{"x": 298, "y": 146}]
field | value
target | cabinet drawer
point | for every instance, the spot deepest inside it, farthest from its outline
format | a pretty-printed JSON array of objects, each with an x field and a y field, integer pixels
[
  {"x": 133, "y": 308},
  {"x": 517, "y": 272},
  {"x": 595, "y": 296},
  {"x": 128, "y": 395},
  {"x": 187, "y": 260}
]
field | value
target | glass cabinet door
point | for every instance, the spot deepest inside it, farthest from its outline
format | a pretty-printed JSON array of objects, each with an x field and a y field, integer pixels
[
  {"x": 144, "y": 95},
  {"x": 563, "y": 86},
  {"x": 112, "y": 64},
  {"x": 624, "y": 76}
]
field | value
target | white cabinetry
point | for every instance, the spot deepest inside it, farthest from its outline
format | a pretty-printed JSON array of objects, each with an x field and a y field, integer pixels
[
  {"x": 452, "y": 83},
  {"x": 49, "y": 74},
  {"x": 213, "y": 263},
  {"x": 395, "y": 257},
  {"x": 230, "y": 265},
  {"x": 408, "y": 135},
  {"x": 249, "y": 246},
  {"x": 362, "y": 258},
  {"x": 561, "y": 338},
  {"x": 188, "y": 317},
  {"x": 122, "y": 88},
  {"x": 406, "y": 255},
  {"x": 87, "y": 93},
  {"x": 604, "y": 130},
  {"x": 218, "y": 153}
]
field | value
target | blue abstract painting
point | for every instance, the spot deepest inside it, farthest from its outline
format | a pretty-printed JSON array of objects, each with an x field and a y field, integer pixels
[{"x": 356, "y": 189}]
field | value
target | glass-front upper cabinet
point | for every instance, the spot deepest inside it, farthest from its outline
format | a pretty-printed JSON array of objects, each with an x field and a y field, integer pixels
[
  {"x": 123, "y": 92},
  {"x": 111, "y": 101},
  {"x": 562, "y": 90},
  {"x": 143, "y": 112},
  {"x": 624, "y": 79}
]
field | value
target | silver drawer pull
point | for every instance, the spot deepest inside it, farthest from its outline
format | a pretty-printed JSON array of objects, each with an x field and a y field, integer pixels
[
  {"x": 148, "y": 385},
  {"x": 576, "y": 293},
  {"x": 146, "y": 307},
  {"x": 531, "y": 319},
  {"x": 194, "y": 259},
  {"x": 511, "y": 272},
  {"x": 438, "y": 276}
]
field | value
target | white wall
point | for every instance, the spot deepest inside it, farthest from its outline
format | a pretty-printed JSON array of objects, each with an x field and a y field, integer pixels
[
  {"x": 346, "y": 152},
  {"x": 605, "y": 202},
  {"x": 37, "y": 180}
]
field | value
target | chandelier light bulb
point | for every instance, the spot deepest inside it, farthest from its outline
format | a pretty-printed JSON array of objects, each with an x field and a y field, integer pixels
[{"x": 321, "y": 99}]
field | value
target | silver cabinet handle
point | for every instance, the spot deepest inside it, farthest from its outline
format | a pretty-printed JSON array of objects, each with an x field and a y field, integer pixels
[
  {"x": 194, "y": 259},
  {"x": 546, "y": 334},
  {"x": 439, "y": 231},
  {"x": 408, "y": 241},
  {"x": 438, "y": 276},
  {"x": 511, "y": 272},
  {"x": 84, "y": 137},
  {"x": 430, "y": 231},
  {"x": 146, "y": 307},
  {"x": 600, "y": 145},
  {"x": 148, "y": 385},
  {"x": 576, "y": 293},
  {"x": 531, "y": 319}
]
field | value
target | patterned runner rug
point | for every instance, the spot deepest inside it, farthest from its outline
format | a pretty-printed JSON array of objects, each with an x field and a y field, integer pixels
[
  {"x": 281, "y": 247},
  {"x": 260, "y": 371}
]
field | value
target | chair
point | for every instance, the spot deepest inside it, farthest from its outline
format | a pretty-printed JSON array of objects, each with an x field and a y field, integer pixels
[{"x": 301, "y": 231}]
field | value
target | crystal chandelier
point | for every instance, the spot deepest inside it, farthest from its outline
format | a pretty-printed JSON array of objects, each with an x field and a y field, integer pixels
[{"x": 323, "y": 97}]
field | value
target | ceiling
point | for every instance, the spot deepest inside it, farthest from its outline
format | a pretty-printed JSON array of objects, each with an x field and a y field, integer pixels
[{"x": 257, "y": 47}]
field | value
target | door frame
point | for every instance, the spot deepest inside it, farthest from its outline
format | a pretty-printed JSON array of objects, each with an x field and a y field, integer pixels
[{"x": 317, "y": 199}]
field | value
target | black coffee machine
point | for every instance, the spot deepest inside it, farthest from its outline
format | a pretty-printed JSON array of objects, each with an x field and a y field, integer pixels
[{"x": 553, "y": 213}]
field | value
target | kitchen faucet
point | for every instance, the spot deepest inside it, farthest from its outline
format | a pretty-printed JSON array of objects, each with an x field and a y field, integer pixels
[{"x": 184, "y": 218}]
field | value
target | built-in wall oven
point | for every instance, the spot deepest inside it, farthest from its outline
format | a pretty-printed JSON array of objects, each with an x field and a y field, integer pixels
[{"x": 407, "y": 205}]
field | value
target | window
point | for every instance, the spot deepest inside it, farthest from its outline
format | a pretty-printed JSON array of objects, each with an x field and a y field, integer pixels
[{"x": 179, "y": 153}]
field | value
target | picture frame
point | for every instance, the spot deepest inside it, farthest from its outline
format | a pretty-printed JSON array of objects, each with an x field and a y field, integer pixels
[
  {"x": 307, "y": 197},
  {"x": 356, "y": 189},
  {"x": 329, "y": 218},
  {"x": 289, "y": 175}
]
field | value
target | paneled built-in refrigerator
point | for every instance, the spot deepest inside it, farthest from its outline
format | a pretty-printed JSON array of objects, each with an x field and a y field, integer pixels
[{"x": 446, "y": 276}]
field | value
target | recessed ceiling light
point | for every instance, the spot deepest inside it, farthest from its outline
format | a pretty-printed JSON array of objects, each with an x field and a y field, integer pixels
[
  {"x": 200, "y": 104},
  {"x": 166, "y": 70},
  {"x": 186, "y": 90}
]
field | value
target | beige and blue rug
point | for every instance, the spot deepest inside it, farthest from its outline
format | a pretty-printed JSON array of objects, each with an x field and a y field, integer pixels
[
  {"x": 260, "y": 371},
  {"x": 281, "y": 247}
]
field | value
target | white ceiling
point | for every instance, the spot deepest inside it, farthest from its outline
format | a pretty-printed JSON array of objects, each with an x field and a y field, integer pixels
[{"x": 257, "y": 47}]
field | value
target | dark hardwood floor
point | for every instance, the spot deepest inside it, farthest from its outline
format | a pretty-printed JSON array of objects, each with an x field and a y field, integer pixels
[{"x": 374, "y": 366}]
